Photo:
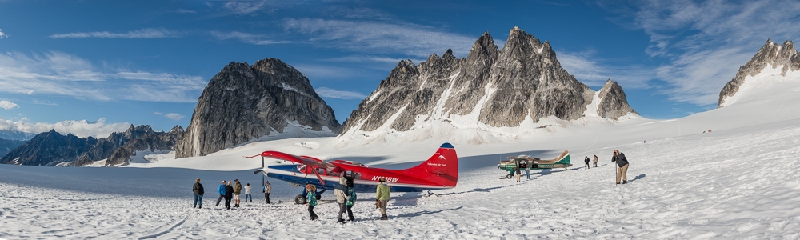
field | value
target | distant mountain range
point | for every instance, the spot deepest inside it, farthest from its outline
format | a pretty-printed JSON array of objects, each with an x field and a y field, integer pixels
[{"x": 16, "y": 135}]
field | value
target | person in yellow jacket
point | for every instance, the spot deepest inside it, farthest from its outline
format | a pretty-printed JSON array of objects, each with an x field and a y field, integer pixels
[{"x": 382, "y": 197}]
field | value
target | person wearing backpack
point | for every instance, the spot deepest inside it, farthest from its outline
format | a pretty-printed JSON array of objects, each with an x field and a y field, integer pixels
[
  {"x": 341, "y": 197},
  {"x": 198, "y": 193},
  {"x": 351, "y": 200},
  {"x": 311, "y": 200},
  {"x": 587, "y": 162},
  {"x": 622, "y": 166}
]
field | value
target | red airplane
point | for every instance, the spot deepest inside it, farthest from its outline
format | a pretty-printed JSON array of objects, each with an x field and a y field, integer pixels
[{"x": 439, "y": 172}]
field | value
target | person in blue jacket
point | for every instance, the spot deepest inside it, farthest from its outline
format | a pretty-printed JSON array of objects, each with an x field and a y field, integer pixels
[
  {"x": 221, "y": 191},
  {"x": 311, "y": 199}
]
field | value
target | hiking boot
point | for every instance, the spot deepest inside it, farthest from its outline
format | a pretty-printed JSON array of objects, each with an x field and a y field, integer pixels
[
  {"x": 201, "y": 207},
  {"x": 340, "y": 220},
  {"x": 384, "y": 217},
  {"x": 624, "y": 181},
  {"x": 617, "y": 182}
]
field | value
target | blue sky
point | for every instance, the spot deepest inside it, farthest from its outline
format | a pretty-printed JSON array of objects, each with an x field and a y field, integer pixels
[{"x": 93, "y": 67}]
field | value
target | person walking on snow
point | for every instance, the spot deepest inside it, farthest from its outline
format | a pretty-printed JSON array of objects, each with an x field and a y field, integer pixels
[
  {"x": 221, "y": 191},
  {"x": 228, "y": 196},
  {"x": 247, "y": 193},
  {"x": 595, "y": 160},
  {"x": 518, "y": 173},
  {"x": 341, "y": 197},
  {"x": 198, "y": 193},
  {"x": 382, "y": 197},
  {"x": 267, "y": 189},
  {"x": 351, "y": 200},
  {"x": 622, "y": 166},
  {"x": 587, "y": 162},
  {"x": 237, "y": 192},
  {"x": 311, "y": 200}
]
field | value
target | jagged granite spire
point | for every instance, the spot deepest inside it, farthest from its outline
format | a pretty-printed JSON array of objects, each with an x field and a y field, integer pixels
[
  {"x": 498, "y": 88},
  {"x": 242, "y": 103},
  {"x": 784, "y": 56},
  {"x": 613, "y": 103}
]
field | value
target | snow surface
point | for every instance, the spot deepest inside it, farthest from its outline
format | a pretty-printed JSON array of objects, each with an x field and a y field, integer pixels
[{"x": 738, "y": 181}]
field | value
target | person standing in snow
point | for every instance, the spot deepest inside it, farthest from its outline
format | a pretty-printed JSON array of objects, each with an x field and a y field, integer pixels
[
  {"x": 247, "y": 193},
  {"x": 595, "y": 160},
  {"x": 267, "y": 189},
  {"x": 351, "y": 200},
  {"x": 237, "y": 192},
  {"x": 311, "y": 200},
  {"x": 622, "y": 166},
  {"x": 198, "y": 193},
  {"x": 528, "y": 169},
  {"x": 382, "y": 197},
  {"x": 587, "y": 162},
  {"x": 518, "y": 173},
  {"x": 221, "y": 191},
  {"x": 228, "y": 196},
  {"x": 341, "y": 197}
]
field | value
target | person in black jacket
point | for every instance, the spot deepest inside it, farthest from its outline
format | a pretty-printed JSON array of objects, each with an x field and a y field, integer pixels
[
  {"x": 622, "y": 166},
  {"x": 198, "y": 194},
  {"x": 228, "y": 196},
  {"x": 587, "y": 162}
]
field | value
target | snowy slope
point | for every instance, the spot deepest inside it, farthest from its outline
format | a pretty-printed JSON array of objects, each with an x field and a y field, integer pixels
[{"x": 739, "y": 181}]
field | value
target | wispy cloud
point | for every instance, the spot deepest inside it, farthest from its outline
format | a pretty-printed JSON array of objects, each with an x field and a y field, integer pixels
[
  {"x": 3, "y": 35},
  {"x": 331, "y": 93},
  {"x": 80, "y": 128},
  {"x": 587, "y": 69},
  {"x": 64, "y": 74},
  {"x": 256, "y": 39},
  {"x": 245, "y": 7},
  {"x": 8, "y": 105},
  {"x": 705, "y": 42},
  {"x": 173, "y": 116},
  {"x": 44, "y": 102},
  {"x": 144, "y": 33},
  {"x": 380, "y": 37},
  {"x": 185, "y": 11}
]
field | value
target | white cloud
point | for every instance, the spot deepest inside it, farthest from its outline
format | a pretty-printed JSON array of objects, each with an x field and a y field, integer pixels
[
  {"x": 256, "y": 39},
  {"x": 379, "y": 37},
  {"x": 7, "y": 105},
  {"x": 3, "y": 35},
  {"x": 58, "y": 73},
  {"x": 585, "y": 68},
  {"x": 331, "y": 93},
  {"x": 44, "y": 102},
  {"x": 144, "y": 33},
  {"x": 185, "y": 11},
  {"x": 706, "y": 41},
  {"x": 244, "y": 7},
  {"x": 80, "y": 128},
  {"x": 174, "y": 116}
]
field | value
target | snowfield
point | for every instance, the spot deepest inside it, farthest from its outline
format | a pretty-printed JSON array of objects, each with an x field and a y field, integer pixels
[{"x": 737, "y": 181}]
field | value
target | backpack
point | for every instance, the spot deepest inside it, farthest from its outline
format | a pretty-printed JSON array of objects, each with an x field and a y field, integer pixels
[{"x": 351, "y": 200}]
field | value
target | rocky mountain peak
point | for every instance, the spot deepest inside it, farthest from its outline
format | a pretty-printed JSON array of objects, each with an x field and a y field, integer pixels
[
  {"x": 242, "y": 103},
  {"x": 613, "y": 103},
  {"x": 783, "y": 56}
]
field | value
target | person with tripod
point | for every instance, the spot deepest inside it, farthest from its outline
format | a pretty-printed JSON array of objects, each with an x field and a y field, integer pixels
[{"x": 622, "y": 166}]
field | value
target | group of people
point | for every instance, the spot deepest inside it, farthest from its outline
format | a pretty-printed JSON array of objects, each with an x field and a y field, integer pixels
[
  {"x": 346, "y": 198},
  {"x": 228, "y": 191},
  {"x": 587, "y": 161}
]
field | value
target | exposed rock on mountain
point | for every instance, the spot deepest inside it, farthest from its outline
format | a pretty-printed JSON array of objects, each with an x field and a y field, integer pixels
[
  {"x": 7, "y": 145},
  {"x": 612, "y": 101},
  {"x": 242, "y": 103},
  {"x": 490, "y": 88},
  {"x": 49, "y": 148},
  {"x": 118, "y": 148},
  {"x": 771, "y": 54}
]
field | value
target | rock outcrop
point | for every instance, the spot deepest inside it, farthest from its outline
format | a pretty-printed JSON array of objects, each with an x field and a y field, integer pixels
[
  {"x": 784, "y": 56},
  {"x": 491, "y": 86},
  {"x": 243, "y": 102},
  {"x": 613, "y": 103}
]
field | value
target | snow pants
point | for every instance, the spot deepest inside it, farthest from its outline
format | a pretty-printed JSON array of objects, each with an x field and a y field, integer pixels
[
  {"x": 382, "y": 205},
  {"x": 266, "y": 195},
  {"x": 198, "y": 200},
  {"x": 311, "y": 212},
  {"x": 587, "y": 165},
  {"x": 622, "y": 173},
  {"x": 350, "y": 213}
]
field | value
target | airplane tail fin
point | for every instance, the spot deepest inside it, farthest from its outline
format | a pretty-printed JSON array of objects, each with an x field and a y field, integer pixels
[{"x": 441, "y": 168}]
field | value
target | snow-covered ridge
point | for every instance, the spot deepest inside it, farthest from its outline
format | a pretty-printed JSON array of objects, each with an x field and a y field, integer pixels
[{"x": 768, "y": 83}]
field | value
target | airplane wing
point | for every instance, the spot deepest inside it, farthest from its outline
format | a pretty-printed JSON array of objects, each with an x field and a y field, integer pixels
[{"x": 305, "y": 160}]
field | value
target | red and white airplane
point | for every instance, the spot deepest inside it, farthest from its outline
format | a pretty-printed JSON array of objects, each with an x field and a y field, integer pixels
[{"x": 440, "y": 171}]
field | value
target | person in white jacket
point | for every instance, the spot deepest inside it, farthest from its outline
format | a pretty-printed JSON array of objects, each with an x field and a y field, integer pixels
[{"x": 247, "y": 193}]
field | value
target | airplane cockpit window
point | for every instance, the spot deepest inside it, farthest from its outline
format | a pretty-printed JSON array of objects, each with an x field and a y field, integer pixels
[
  {"x": 321, "y": 171},
  {"x": 301, "y": 168}
]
